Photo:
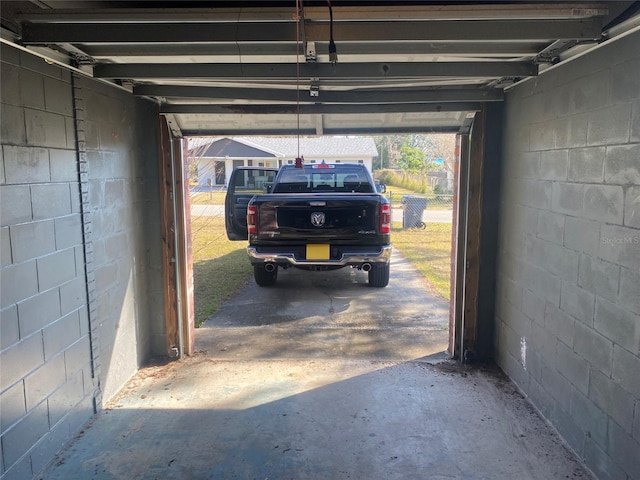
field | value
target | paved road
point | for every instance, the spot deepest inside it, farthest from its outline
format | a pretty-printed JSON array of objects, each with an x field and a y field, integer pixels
[{"x": 429, "y": 216}]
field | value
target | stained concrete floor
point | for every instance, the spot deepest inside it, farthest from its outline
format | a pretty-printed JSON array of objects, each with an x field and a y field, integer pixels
[{"x": 320, "y": 377}]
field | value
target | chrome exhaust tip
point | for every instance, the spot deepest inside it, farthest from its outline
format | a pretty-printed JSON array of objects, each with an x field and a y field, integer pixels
[
  {"x": 270, "y": 267},
  {"x": 366, "y": 267}
]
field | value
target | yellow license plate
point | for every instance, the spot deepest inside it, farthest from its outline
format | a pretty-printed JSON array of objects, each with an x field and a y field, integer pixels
[{"x": 318, "y": 252}]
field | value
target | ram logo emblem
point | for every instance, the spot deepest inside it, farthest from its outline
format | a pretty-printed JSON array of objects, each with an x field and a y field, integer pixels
[{"x": 317, "y": 219}]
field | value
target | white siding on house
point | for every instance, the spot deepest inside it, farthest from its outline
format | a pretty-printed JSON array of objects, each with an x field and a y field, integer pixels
[
  {"x": 278, "y": 151},
  {"x": 207, "y": 166}
]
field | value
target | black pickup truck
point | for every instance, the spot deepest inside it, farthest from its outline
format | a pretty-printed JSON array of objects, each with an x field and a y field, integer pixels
[{"x": 317, "y": 217}]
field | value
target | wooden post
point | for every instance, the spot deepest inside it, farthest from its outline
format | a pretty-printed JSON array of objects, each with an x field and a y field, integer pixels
[
  {"x": 183, "y": 215},
  {"x": 168, "y": 240},
  {"x": 458, "y": 244},
  {"x": 473, "y": 237}
]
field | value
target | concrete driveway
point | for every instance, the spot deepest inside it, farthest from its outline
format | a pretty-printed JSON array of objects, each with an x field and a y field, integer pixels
[
  {"x": 330, "y": 314},
  {"x": 321, "y": 377}
]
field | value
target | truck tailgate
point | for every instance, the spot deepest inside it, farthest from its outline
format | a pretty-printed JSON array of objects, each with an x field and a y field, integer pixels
[{"x": 339, "y": 218}]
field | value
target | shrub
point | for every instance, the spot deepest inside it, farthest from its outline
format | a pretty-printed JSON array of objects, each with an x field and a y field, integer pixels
[{"x": 417, "y": 182}]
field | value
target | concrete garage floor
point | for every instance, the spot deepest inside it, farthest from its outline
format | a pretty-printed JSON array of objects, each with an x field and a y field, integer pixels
[{"x": 320, "y": 377}]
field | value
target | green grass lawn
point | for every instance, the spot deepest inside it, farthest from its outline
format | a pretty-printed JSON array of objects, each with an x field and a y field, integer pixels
[
  {"x": 208, "y": 198},
  {"x": 429, "y": 251},
  {"x": 220, "y": 266}
]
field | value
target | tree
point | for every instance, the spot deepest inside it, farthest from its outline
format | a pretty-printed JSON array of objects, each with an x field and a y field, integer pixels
[
  {"x": 435, "y": 146},
  {"x": 389, "y": 150},
  {"x": 412, "y": 159},
  {"x": 444, "y": 148}
]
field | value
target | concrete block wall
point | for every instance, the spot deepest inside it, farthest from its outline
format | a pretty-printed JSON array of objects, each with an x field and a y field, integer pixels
[
  {"x": 568, "y": 270},
  {"x": 123, "y": 189},
  {"x": 76, "y": 321},
  {"x": 46, "y": 377}
]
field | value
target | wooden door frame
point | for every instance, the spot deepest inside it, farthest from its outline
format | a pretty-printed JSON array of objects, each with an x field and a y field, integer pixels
[
  {"x": 183, "y": 230},
  {"x": 466, "y": 240},
  {"x": 458, "y": 244},
  {"x": 177, "y": 263}
]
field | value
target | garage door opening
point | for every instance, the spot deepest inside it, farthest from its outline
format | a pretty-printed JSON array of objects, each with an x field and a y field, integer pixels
[{"x": 331, "y": 312}]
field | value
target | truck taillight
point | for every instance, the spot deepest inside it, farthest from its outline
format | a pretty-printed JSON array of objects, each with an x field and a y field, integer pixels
[
  {"x": 385, "y": 218},
  {"x": 252, "y": 220}
]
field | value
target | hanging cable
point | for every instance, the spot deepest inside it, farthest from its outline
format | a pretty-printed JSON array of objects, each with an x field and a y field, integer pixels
[
  {"x": 333, "y": 51},
  {"x": 299, "y": 159}
]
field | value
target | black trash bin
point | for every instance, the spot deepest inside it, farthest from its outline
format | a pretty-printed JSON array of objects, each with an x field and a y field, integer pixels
[{"x": 414, "y": 207}]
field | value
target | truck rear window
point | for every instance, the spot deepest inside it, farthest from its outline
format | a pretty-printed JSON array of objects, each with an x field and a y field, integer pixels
[
  {"x": 310, "y": 180},
  {"x": 253, "y": 181}
]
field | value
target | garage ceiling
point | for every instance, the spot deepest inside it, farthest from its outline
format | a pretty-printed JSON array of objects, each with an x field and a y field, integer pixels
[{"x": 243, "y": 68}]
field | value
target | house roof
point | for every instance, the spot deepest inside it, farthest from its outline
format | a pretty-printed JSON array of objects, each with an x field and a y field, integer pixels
[
  {"x": 309, "y": 146},
  {"x": 227, "y": 147}
]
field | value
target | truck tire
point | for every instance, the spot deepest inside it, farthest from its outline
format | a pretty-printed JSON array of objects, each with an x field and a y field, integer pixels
[
  {"x": 379, "y": 276},
  {"x": 264, "y": 278}
]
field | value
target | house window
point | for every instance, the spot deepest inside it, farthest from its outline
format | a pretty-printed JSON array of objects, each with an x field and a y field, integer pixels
[
  {"x": 261, "y": 164},
  {"x": 360, "y": 161},
  {"x": 337, "y": 161},
  {"x": 313, "y": 161},
  {"x": 290, "y": 162}
]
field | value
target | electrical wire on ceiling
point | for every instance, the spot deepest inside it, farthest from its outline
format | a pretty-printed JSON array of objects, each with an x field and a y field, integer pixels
[
  {"x": 298, "y": 16},
  {"x": 333, "y": 51},
  {"x": 333, "y": 58}
]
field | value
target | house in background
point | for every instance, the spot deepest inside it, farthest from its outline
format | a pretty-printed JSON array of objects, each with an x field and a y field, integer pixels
[{"x": 216, "y": 158}]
